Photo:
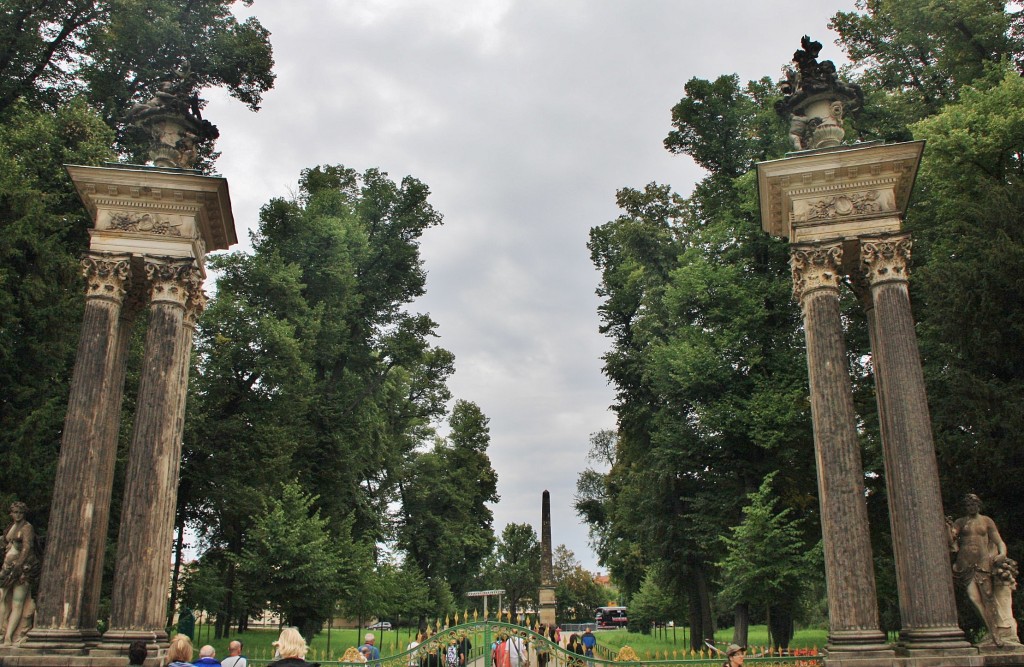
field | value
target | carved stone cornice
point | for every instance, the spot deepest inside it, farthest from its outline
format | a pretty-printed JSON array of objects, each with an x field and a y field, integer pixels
[
  {"x": 886, "y": 259},
  {"x": 169, "y": 279},
  {"x": 815, "y": 267},
  {"x": 107, "y": 275}
]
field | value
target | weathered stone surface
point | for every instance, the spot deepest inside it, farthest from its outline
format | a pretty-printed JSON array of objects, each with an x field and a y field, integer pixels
[
  {"x": 849, "y": 573},
  {"x": 927, "y": 602},
  {"x": 138, "y": 598}
]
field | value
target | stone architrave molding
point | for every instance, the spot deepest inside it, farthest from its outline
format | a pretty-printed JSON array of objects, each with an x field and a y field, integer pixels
[
  {"x": 815, "y": 267},
  {"x": 107, "y": 275},
  {"x": 886, "y": 259}
]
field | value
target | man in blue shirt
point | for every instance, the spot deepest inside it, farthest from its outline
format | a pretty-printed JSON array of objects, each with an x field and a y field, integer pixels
[
  {"x": 368, "y": 641},
  {"x": 589, "y": 642}
]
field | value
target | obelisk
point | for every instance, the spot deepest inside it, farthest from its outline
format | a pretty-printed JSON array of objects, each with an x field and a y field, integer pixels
[{"x": 546, "y": 597}]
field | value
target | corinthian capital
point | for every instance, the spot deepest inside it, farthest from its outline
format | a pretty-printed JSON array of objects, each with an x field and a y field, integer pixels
[
  {"x": 886, "y": 259},
  {"x": 196, "y": 299},
  {"x": 815, "y": 267},
  {"x": 169, "y": 279},
  {"x": 107, "y": 275}
]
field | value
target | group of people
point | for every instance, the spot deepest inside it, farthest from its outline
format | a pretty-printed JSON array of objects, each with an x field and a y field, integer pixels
[
  {"x": 450, "y": 652},
  {"x": 290, "y": 651}
]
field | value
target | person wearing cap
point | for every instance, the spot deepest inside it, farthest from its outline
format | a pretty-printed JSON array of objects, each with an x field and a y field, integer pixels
[
  {"x": 735, "y": 655},
  {"x": 368, "y": 641}
]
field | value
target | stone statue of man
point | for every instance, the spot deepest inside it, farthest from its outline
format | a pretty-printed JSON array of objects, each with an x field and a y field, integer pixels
[{"x": 983, "y": 570}]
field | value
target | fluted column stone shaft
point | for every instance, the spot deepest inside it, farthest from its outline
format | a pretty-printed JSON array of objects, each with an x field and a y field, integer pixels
[
  {"x": 73, "y": 563},
  {"x": 141, "y": 577},
  {"x": 919, "y": 535},
  {"x": 849, "y": 571}
]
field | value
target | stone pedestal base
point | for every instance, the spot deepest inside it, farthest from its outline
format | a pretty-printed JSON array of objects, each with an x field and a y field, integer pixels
[
  {"x": 546, "y": 606},
  {"x": 966, "y": 657}
]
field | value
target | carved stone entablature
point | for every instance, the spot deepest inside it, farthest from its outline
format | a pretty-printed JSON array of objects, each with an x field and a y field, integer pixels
[
  {"x": 197, "y": 206},
  {"x": 169, "y": 279},
  {"x": 147, "y": 223},
  {"x": 886, "y": 259},
  {"x": 815, "y": 267},
  {"x": 107, "y": 275},
  {"x": 844, "y": 193}
]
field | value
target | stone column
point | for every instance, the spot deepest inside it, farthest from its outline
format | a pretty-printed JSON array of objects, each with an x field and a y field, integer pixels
[
  {"x": 141, "y": 578},
  {"x": 546, "y": 595},
  {"x": 919, "y": 535},
  {"x": 73, "y": 564},
  {"x": 849, "y": 572}
]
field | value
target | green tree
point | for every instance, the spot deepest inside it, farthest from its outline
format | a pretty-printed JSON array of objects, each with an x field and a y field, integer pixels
[
  {"x": 42, "y": 229},
  {"x": 300, "y": 566},
  {"x": 577, "y": 595},
  {"x": 116, "y": 52},
  {"x": 515, "y": 565},
  {"x": 446, "y": 527},
  {"x": 968, "y": 248},
  {"x": 768, "y": 562},
  {"x": 309, "y": 365},
  {"x": 653, "y": 603}
]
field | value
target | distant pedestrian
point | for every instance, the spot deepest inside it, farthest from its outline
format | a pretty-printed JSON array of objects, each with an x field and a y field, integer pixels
[
  {"x": 420, "y": 637},
  {"x": 589, "y": 642},
  {"x": 368, "y": 642}
]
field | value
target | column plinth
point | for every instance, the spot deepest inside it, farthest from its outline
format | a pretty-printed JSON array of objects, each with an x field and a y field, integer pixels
[
  {"x": 141, "y": 577},
  {"x": 927, "y": 599},
  {"x": 72, "y": 568},
  {"x": 849, "y": 572}
]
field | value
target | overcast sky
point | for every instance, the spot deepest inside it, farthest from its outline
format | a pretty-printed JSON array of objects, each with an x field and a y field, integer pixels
[{"x": 523, "y": 118}]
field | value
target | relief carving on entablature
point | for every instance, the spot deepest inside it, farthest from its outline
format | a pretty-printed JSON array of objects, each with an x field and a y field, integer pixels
[
  {"x": 144, "y": 222},
  {"x": 828, "y": 202},
  {"x": 815, "y": 267}
]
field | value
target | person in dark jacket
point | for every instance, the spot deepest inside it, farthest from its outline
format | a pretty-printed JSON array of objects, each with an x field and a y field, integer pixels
[{"x": 291, "y": 649}]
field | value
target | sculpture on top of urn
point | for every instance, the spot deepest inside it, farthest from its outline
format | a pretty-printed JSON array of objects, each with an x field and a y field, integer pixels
[
  {"x": 19, "y": 572},
  {"x": 815, "y": 100},
  {"x": 172, "y": 123},
  {"x": 983, "y": 570}
]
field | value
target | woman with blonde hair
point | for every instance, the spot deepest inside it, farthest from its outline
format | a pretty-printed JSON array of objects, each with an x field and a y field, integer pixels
[
  {"x": 179, "y": 653},
  {"x": 291, "y": 650}
]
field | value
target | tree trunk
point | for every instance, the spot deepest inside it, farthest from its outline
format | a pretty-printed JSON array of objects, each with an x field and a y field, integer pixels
[
  {"x": 227, "y": 605},
  {"x": 707, "y": 618},
  {"x": 179, "y": 547},
  {"x": 780, "y": 626},
  {"x": 741, "y": 624}
]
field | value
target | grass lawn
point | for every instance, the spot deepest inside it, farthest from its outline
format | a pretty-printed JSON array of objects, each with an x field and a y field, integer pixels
[{"x": 663, "y": 641}]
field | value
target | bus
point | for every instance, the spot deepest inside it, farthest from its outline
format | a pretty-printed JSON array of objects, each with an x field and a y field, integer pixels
[{"x": 610, "y": 617}]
